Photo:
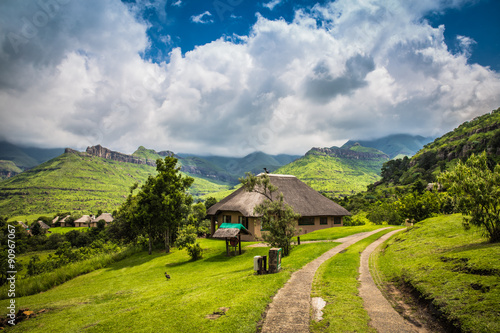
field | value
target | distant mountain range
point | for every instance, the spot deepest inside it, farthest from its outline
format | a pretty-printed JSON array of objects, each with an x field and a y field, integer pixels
[
  {"x": 22, "y": 158},
  {"x": 396, "y": 145},
  {"x": 99, "y": 178}
]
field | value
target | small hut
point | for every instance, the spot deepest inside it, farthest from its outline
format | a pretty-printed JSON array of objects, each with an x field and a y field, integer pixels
[
  {"x": 231, "y": 232},
  {"x": 43, "y": 225}
]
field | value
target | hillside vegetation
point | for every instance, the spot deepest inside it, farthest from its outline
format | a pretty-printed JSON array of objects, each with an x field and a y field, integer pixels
[
  {"x": 79, "y": 183},
  {"x": 336, "y": 171},
  {"x": 455, "y": 270}
]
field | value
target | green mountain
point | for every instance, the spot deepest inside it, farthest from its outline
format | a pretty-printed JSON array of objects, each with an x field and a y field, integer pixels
[
  {"x": 338, "y": 171},
  {"x": 79, "y": 182},
  {"x": 396, "y": 145},
  {"x": 8, "y": 169},
  {"x": 27, "y": 157},
  {"x": 475, "y": 136},
  {"x": 22, "y": 158}
]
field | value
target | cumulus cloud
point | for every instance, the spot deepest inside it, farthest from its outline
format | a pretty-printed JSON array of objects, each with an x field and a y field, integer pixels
[{"x": 344, "y": 70}]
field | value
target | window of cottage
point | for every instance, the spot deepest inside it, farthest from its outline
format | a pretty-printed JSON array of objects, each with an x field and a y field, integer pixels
[
  {"x": 243, "y": 220},
  {"x": 337, "y": 220},
  {"x": 323, "y": 220},
  {"x": 306, "y": 221}
]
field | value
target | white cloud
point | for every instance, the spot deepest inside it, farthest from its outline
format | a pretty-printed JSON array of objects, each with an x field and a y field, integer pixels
[
  {"x": 203, "y": 18},
  {"x": 273, "y": 3},
  {"x": 368, "y": 69}
]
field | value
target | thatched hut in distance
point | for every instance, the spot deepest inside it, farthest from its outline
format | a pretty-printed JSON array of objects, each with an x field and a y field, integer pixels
[
  {"x": 106, "y": 217},
  {"x": 83, "y": 221},
  {"x": 43, "y": 225},
  {"x": 317, "y": 211}
]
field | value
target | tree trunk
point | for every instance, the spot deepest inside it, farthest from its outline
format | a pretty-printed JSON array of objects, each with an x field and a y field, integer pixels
[
  {"x": 167, "y": 240},
  {"x": 150, "y": 243}
]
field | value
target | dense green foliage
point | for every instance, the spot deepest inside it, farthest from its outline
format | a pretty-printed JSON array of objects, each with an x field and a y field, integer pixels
[
  {"x": 186, "y": 239},
  {"x": 476, "y": 190},
  {"x": 160, "y": 204},
  {"x": 457, "y": 271}
]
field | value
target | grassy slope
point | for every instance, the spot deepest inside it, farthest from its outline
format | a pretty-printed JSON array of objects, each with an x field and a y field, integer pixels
[
  {"x": 456, "y": 269},
  {"x": 333, "y": 175},
  {"x": 133, "y": 295},
  {"x": 72, "y": 182}
]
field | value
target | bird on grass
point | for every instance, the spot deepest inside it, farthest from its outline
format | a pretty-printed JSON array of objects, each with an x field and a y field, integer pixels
[{"x": 167, "y": 276}]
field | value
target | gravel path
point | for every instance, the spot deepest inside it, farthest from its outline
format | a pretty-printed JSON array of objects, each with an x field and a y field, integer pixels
[
  {"x": 383, "y": 316},
  {"x": 290, "y": 309}
]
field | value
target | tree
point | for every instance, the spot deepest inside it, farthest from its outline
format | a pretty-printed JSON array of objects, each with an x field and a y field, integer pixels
[
  {"x": 277, "y": 217},
  {"x": 36, "y": 229},
  {"x": 418, "y": 207},
  {"x": 476, "y": 191},
  {"x": 210, "y": 202},
  {"x": 160, "y": 204},
  {"x": 186, "y": 238}
]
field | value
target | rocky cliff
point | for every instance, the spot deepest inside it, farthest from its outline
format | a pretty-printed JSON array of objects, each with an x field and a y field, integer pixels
[{"x": 106, "y": 153}]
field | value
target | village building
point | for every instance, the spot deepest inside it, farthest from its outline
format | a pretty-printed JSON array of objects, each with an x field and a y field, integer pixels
[
  {"x": 64, "y": 223},
  {"x": 317, "y": 212},
  {"x": 106, "y": 217},
  {"x": 83, "y": 221},
  {"x": 43, "y": 225}
]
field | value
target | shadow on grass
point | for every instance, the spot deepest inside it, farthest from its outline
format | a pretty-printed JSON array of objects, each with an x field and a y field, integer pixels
[{"x": 136, "y": 259}]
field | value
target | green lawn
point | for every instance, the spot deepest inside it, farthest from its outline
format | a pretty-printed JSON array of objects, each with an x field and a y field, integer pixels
[
  {"x": 63, "y": 230},
  {"x": 336, "y": 281},
  {"x": 458, "y": 270},
  {"x": 133, "y": 294},
  {"x": 338, "y": 232}
]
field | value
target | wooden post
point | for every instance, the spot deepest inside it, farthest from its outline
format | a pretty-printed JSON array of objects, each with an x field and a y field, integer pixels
[
  {"x": 239, "y": 242},
  {"x": 227, "y": 248}
]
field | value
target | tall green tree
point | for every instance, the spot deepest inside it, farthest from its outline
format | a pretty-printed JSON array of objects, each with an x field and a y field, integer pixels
[
  {"x": 277, "y": 218},
  {"x": 476, "y": 191},
  {"x": 159, "y": 206}
]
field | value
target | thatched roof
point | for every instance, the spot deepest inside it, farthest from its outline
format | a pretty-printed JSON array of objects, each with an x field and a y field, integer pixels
[
  {"x": 107, "y": 217},
  {"x": 43, "y": 225},
  {"x": 22, "y": 224},
  {"x": 55, "y": 220},
  {"x": 84, "y": 219},
  {"x": 230, "y": 230},
  {"x": 303, "y": 199}
]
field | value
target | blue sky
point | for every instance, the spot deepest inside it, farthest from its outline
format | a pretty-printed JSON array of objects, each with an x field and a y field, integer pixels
[
  {"x": 230, "y": 77},
  {"x": 174, "y": 19}
]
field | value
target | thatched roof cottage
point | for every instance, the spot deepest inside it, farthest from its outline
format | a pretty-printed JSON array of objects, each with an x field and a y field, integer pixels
[
  {"x": 317, "y": 211},
  {"x": 106, "y": 217},
  {"x": 83, "y": 221},
  {"x": 43, "y": 225},
  {"x": 64, "y": 223}
]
